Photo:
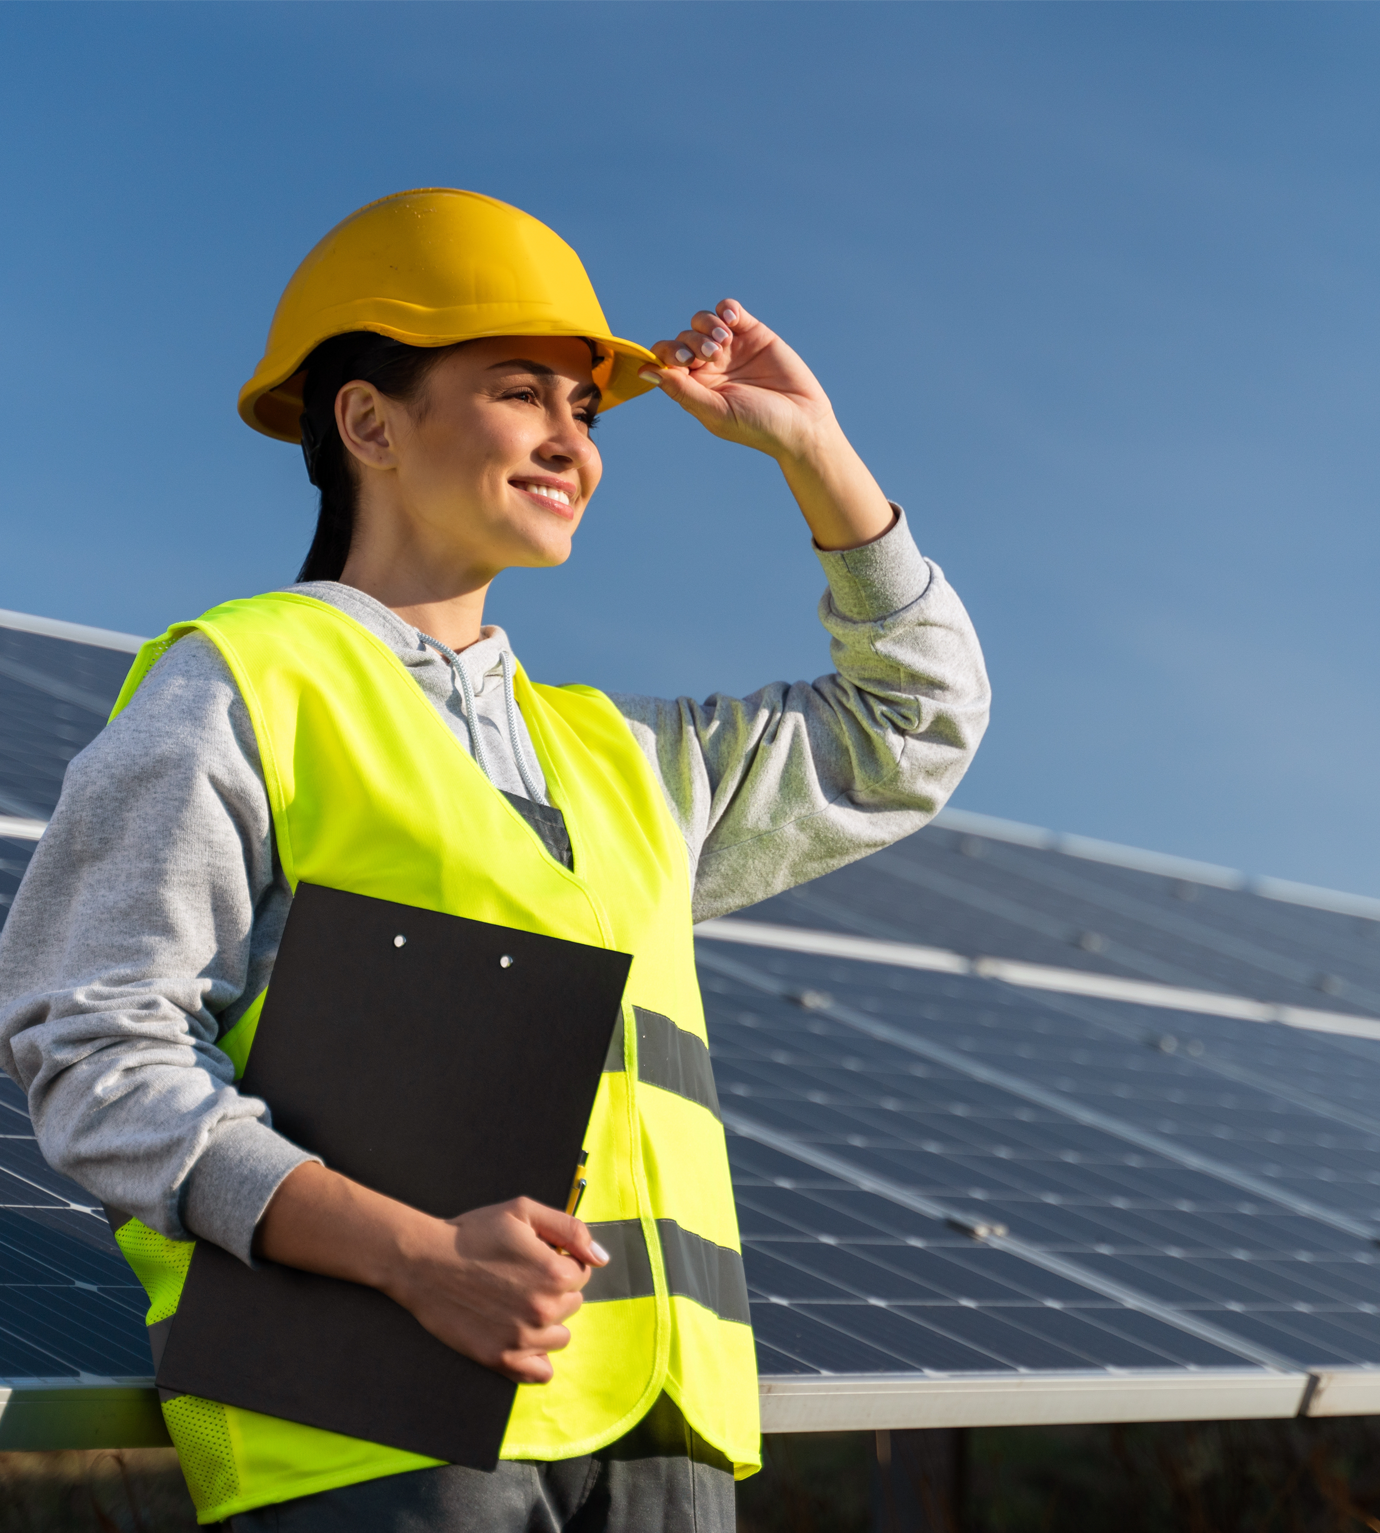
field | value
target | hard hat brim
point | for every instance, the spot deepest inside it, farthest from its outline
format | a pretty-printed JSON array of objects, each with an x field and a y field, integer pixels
[{"x": 271, "y": 402}]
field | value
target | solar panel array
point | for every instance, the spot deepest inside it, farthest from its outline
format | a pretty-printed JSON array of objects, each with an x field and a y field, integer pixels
[
  {"x": 984, "y": 894},
  {"x": 1161, "y": 1211},
  {"x": 69, "y": 1305},
  {"x": 941, "y": 1176},
  {"x": 55, "y": 695}
]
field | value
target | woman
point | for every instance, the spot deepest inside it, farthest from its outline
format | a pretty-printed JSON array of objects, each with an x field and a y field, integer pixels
[{"x": 443, "y": 359}]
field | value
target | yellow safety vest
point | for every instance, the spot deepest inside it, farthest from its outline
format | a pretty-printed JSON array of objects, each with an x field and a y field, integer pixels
[{"x": 371, "y": 792}]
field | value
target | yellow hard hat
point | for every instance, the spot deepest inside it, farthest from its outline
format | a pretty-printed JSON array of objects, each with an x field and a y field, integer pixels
[{"x": 430, "y": 268}]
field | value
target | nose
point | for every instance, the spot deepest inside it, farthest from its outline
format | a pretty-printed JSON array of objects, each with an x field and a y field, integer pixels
[{"x": 568, "y": 444}]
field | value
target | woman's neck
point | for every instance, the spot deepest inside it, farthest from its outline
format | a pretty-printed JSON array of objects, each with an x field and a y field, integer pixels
[
  {"x": 426, "y": 586},
  {"x": 455, "y": 617}
]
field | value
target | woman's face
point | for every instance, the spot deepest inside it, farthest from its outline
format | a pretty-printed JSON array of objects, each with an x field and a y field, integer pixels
[{"x": 492, "y": 464}]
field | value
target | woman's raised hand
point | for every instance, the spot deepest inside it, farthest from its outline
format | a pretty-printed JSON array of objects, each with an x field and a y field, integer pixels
[{"x": 742, "y": 382}]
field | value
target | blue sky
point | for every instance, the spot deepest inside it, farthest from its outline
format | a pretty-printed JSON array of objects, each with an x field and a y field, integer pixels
[{"x": 1094, "y": 290}]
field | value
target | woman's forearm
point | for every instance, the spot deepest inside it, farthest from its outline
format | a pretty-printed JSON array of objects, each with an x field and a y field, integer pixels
[
  {"x": 323, "y": 1222},
  {"x": 742, "y": 382},
  {"x": 837, "y": 495},
  {"x": 496, "y": 1283}
]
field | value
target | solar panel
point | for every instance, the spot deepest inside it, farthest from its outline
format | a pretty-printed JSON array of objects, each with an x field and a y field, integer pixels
[
  {"x": 71, "y": 1311},
  {"x": 962, "y": 1199},
  {"x": 974, "y": 894},
  {"x": 1283, "y": 1276},
  {"x": 55, "y": 696},
  {"x": 71, "y": 1306}
]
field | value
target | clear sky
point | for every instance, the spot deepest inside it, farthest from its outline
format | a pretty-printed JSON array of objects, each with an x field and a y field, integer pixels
[{"x": 1093, "y": 287}]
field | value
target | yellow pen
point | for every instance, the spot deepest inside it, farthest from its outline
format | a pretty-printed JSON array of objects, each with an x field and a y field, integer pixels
[{"x": 577, "y": 1185}]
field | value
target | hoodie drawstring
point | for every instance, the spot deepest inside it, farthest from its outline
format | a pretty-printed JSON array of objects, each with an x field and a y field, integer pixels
[
  {"x": 514, "y": 738},
  {"x": 461, "y": 675}
]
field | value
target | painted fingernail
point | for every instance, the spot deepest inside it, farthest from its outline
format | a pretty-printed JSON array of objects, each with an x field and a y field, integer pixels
[
  {"x": 600, "y": 1253},
  {"x": 731, "y": 316},
  {"x": 708, "y": 348},
  {"x": 719, "y": 333},
  {"x": 684, "y": 354},
  {"x": 649, "y": 375}
]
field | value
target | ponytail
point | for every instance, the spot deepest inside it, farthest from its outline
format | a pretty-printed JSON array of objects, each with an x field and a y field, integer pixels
[{"x": 396, "y": 370}]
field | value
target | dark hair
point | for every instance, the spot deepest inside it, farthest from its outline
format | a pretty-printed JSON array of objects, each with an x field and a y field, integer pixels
[{"x": 394, "y": 369}]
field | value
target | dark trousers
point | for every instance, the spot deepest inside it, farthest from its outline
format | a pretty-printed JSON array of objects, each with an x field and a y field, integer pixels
[{"x": 661, "y": 1478}]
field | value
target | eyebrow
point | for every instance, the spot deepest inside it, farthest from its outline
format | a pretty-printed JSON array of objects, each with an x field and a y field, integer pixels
[{"x": 540, "y": 370}]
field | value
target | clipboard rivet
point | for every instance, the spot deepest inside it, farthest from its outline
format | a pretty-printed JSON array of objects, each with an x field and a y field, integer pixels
[
  {"x": 506, "y": 962},
  {"x": 400, "y": 940}
]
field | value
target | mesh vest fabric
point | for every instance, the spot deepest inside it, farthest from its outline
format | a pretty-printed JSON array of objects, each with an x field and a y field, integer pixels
[{"x": 372, "y": 793}]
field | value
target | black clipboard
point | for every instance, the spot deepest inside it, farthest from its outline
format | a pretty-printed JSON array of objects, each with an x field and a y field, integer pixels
[{"x": 451, "y": 1070}]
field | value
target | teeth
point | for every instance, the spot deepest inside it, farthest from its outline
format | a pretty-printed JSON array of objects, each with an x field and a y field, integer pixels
[{"x": 549, "y": 491}]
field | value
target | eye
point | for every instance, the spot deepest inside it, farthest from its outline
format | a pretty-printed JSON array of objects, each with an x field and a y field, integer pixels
[
  {"x": 590, "y": 418},
  {"x": 527, "y": 394}
]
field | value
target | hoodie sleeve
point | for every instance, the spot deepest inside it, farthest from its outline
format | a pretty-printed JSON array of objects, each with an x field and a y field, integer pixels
[
  {"x": 799, "y": 778},
  {"x": 146, "y": 922}
]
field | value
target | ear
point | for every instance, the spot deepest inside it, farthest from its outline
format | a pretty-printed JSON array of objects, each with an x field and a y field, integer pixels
[{"x": 367, "y": 422}]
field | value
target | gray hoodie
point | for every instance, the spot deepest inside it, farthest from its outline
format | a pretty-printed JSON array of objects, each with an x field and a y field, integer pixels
[{"x": 151, "y": 912}]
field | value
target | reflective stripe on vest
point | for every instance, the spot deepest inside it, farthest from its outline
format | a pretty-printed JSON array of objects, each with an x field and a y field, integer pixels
[
  {"x": 695, "y": 1268},
  {"x": 669, "y": 1057},
  {"x": 371, "y": 792}
]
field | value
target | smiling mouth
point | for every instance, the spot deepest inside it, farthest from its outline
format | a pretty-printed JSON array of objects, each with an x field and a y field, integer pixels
[{"x": 551, "y": 493}]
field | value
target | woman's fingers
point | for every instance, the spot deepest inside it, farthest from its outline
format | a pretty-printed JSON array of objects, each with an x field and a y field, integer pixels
[
  {"x": 689, "y": 349},
  {"x": 527, "y": 1358},
  {"x": 710, "y": 330},
  {"x": 728, "y": 311},
  {"x": 523, "y": 1369},
  {"x": 702, "y": 347},
  {"x": 532, "y": 1365},
  {"x": 568, "y": 1235},
  {"x": 742, "y": 382},
  {"x": 707, "y": 322},
  {"x": 673, "y": 353}
]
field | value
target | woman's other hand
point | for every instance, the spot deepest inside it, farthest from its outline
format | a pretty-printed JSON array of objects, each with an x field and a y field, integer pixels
[
  {"x": 496, "y": 1284},
  {"x": 741, "y": 381},
  {"x": 499, "y": 1284}
]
